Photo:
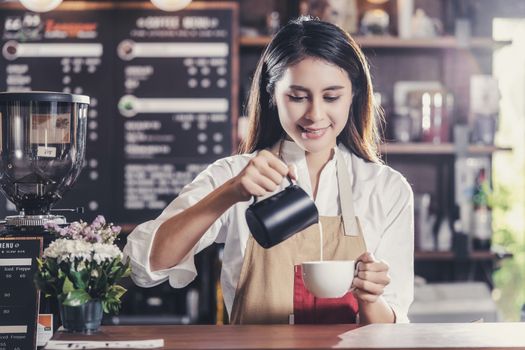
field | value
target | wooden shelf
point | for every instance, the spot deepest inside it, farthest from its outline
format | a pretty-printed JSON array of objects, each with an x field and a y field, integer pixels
[
  {"x": 256, "y": 41},
  {"x": 444, "y": 42},
  {"x": 433, "y": 255},
  {"x": 430, "y": 148}
]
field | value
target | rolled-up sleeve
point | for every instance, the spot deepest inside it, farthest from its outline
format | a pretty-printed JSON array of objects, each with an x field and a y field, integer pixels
[
  {"x": 396, "y": 246},
  {"x": 139, "y": 242}
]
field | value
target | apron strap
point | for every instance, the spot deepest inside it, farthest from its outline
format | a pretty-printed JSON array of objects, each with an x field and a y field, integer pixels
[{"x": 351, "y": 224}]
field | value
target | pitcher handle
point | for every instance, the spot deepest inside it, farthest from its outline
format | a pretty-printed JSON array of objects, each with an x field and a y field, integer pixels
[{"x": 290, "y": 185}]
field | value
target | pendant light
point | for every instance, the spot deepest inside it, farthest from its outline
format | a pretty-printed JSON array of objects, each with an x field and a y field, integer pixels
[
  {"x": 171, "y": 5},
  {"x": 41, "y": 5}
]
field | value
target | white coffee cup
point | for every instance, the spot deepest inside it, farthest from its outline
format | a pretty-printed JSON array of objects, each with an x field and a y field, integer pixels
[{"x": 328, "y": 278}]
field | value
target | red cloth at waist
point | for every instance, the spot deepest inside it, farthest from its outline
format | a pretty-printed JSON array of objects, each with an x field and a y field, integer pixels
[{"x": 309, "y": 309}]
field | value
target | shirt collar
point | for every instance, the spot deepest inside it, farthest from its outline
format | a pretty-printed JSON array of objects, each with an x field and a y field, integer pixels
[{"x": 292, "y": 153}]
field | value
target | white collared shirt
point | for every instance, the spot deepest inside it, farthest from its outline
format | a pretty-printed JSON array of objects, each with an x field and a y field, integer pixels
[{"x": 383, "y": 201}]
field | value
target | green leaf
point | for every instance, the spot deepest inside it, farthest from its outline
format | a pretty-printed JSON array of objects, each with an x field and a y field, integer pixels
[
  {"x": 101, "y": 283},
  {"x": 123, "y": 271},
  {"x": 111, "y": 302},
  {"x": 76, "y": 297},
  {"x": 111, "y": 306},
  {"x": 67, "y": 286},
  {"x": 127, "y": 270},
  {"x": 52, "y": 266},
  {"x": 116, "y": 291},
  {"x": 105, "y": 307},
  {"x": 40, "y": 280},
  {"x": 114, "y": 265},
  {"x": 80, "y": 279},
  {"x": 49, "y": 278},
  {"x": 46, "y": 283}
]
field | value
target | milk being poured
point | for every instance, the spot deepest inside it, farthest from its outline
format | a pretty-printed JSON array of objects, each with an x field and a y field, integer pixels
[{"x": 321, "y": 239}]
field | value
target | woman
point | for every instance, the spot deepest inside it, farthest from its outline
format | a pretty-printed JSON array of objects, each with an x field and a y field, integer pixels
[{"x": 312, "y": 118}]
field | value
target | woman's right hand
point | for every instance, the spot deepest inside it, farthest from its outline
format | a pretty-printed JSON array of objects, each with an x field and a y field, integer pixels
[{"x": 263, "y": 174}]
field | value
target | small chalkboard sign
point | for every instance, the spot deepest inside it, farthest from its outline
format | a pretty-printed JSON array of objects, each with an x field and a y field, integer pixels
[{"x": 19, "y": 297}]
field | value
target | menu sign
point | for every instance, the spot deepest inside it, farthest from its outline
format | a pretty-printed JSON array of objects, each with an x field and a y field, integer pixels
[
  {"x": 174, "y": 104},
  {"x": 18, "y": 294},
  {"x": 161, "y": 86}
]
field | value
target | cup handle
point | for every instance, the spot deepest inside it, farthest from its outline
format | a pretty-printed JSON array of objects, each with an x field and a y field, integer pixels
[
  {"x": 291, "y": 184},
  {"x": 356, "y": 271}
]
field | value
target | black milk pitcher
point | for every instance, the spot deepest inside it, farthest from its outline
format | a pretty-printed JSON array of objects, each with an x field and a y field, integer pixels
[{"x": 280, "y": 216}]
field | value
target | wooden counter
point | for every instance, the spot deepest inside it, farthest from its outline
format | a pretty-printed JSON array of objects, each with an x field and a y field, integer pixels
[{"x": 396, "y": 336}]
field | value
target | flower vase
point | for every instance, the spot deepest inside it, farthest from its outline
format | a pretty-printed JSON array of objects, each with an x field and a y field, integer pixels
[{"x": 85, "y": 318}]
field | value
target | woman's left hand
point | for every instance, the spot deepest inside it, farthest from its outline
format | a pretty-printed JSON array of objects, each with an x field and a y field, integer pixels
[{"x": 371, "y": 279}]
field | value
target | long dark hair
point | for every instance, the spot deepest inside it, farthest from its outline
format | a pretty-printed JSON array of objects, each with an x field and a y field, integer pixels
[{"x": 299, "y": 39}]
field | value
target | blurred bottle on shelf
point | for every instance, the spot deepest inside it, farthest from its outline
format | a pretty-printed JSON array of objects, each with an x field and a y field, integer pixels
[
  {"x": 405, "y": 10},
  {"x": 482, "y": 215},
  {"x": 435, "y": 109},
  {"x": 423, "y": 115},
  {"x": 461, "y": 241},
  {"x": 424, "y": 222},
  {"x": 424, "y": 26},
  {"x": 444, "y": 235},
  {"x": 484, "y": 108},
  {"x": 461, "y": 22},
  {"x": 472, "y": 191},
  {"x": 402, "y": 126}
]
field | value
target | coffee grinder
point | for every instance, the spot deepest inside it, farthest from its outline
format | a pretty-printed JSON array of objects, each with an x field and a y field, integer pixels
[{"x": 42, "y": 149}]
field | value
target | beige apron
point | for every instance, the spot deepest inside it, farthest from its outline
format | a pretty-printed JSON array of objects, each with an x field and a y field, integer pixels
[{"x": 265, "y": 291}]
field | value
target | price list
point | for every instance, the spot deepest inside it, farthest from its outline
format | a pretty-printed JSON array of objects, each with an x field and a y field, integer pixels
[
  {"x": 162, "y": 106},
  {"x": 174, "y": 92},
  {"x": 18, "y": 294}
]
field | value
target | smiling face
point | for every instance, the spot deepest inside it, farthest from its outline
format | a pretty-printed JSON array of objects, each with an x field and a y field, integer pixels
[{"x": 313, "y": 99}]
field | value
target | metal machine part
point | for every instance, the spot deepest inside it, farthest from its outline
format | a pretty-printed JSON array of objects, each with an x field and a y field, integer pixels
[{"x": 42, "y": 149}]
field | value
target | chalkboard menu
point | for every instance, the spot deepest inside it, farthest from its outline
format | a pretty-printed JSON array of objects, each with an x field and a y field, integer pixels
[
  {"x": 18, "y": 294},
  {"x": 161, "y": 83},
  {"x": 67, "y": 51}
]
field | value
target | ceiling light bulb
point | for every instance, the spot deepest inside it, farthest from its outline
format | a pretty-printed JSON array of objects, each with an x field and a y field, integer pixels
[
  {"x": 41, "y": 5},
  {"x": 171, "y": 5}
]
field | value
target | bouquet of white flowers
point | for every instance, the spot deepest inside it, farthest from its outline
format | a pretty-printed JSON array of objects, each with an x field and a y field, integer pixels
[{"x": 83, "y": 264}]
